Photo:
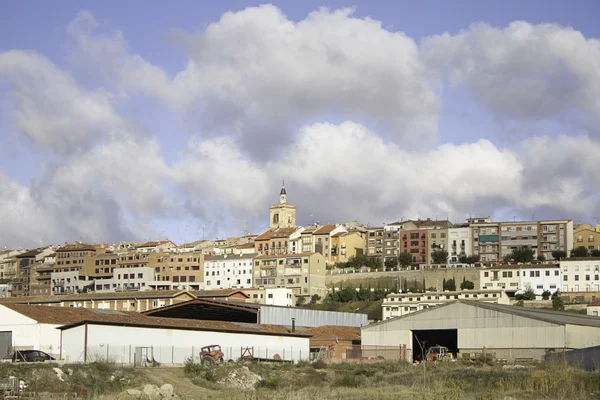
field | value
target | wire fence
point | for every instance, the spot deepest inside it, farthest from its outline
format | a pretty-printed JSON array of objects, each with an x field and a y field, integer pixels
[
  {"x": 370, "y": 352},
  {"x": 174, "y": 355}
]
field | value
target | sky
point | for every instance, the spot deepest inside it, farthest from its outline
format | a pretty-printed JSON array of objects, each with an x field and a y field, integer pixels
[{"x": 141, "y": 121}]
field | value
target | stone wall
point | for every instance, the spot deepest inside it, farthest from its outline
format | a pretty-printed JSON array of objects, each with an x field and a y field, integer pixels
[{"x": 433, "y": 277}]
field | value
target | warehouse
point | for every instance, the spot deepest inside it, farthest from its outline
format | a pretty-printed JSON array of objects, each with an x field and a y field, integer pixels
[
  {"x": 130, "y": 338},
  {"x": 218, "y": 310},
  {"x": 25, "y": 327},
  {"x": 507, "y": 332}
]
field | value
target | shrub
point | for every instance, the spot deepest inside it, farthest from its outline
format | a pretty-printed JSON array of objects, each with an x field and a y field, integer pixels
[
  {"x": 350, "y": 381},
  {"x": 546, "y": 294}
]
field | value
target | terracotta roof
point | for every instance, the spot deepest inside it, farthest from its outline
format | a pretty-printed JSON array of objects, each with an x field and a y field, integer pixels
[
  {"x": 333, "y": 332},
  {"x": 245, "y": 246},
  {"x": 94, "y": 296},
  {"x": 76, "y": 247},
  {"x": 217, "y": 293},
  {"x": 284, "y": 232},
  {"x": 325, "y": 229},
  {"x": 29, "y": 254},
  {"x": 70, "y": 317},
  {"x": 266, "y": 235},
  {"x": 157, "y": 243}
]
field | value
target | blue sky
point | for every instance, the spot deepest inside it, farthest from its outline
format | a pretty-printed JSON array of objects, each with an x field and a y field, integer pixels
[{"x": 167, "y": 125}]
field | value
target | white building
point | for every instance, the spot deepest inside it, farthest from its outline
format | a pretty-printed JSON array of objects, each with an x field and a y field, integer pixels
[
  {"x": 398, "y": 304},
  {"x": 580, "y": 275},
  {"x": 228, "y": 271},
  {"x": 124, "y": 338},
  {"x": 271, "y": 296},
  {"x": 26, "y": 327},
  {"x": 126, "y": 278},
  {"x": 459, "y": 243},
  {"x": 515, "y": 279}
]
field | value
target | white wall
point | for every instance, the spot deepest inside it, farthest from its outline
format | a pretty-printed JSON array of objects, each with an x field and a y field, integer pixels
[
  {"x": 174, "y": 346},
  {"x": 279, "y": 297},
  {"x": 227, "y": 271},
  {"x": 549, "y": 279},
  {"x": 577, "y": 272},
  {"x": 28, "y": 333}
]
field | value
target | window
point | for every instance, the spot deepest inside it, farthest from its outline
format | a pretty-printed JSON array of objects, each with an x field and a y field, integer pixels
[
  {"x": 576, "y": 277},
  {"x": 270, "y": 296}
]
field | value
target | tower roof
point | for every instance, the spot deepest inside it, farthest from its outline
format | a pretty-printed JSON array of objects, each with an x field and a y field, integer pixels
[{"x": 282, "y": 189}]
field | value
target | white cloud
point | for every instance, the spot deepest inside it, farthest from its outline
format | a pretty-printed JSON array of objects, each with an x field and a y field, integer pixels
[
  {"x": 254, "y": 71},
  {"x": 51, "y": 109},
  {"x": 523, "y": 72}
]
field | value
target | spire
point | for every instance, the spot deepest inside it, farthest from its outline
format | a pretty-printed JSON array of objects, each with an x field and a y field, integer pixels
[{"x": 282, "y": 188}]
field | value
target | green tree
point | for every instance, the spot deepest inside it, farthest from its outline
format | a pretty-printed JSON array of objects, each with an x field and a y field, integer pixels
[
  {"x": 546, "y": 295},
  {"x": 450, "y": 284},
  {"x": 391, "y": 262},
  {"x": 559, "y": 254},
  {"x": 541, "y": 258},
  {"x": 522, "y": 255},
  {"x": 314, "y": 299},
  {"x": 464, "y": 259},
  {"x": 528, "y": 294},
  {"x": 439, "y": 256},
  {"x": 595, "y": 253},
  {"x": 300, "y": 300},
  {"x": 469, "y": 285},
  {"x": 580, "y": 251},
  {"x": 405, "y": 259},
  {"x": 557, "y": 303},
  {"x": 507, "y": 259}
]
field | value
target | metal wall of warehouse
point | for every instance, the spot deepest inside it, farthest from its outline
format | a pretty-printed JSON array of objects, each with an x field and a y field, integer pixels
[
  {"x": 310, "y": 318},
  {"x": 507, "y": 335}
]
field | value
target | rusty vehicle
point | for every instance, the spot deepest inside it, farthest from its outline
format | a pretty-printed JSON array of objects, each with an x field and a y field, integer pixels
[
  {"x": 438, "y": 353},
  {"x": 211, "y": 355}
]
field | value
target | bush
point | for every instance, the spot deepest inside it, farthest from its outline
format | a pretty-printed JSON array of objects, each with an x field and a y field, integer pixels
[
  {"x": 528, "y": 294},
  {"x": 350, "y": 381},
  {"x": 273, "y": 382},
  {"x": 546, "y": 294},
  {"x": 557, "y": 303}
]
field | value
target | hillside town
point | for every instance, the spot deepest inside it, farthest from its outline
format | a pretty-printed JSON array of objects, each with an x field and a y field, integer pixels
[
  {"x": 263, "y": 290},
  {"x": 289, "y": 262}
]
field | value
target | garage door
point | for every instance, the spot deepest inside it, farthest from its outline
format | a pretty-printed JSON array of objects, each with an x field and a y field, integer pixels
[{"x": 5, "y": 343}]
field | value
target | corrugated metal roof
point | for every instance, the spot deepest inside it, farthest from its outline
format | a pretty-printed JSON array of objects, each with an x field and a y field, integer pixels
[{"x": 550, "y": 316}]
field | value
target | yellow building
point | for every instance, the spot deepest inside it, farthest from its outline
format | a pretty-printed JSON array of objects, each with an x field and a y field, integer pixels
[
  {"x": 304, "y": 273},
  {"x": 585, "y": 236},
  {"x": 345, "y": 245}
]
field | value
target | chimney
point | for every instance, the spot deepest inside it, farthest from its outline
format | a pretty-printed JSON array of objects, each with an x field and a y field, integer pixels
[{"x": 293, "y": 325}]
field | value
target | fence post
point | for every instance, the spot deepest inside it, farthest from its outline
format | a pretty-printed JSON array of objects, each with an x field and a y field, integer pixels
[
  {"x": 192, "y": 353},
  {"x": 107, "y": 352},
  {"x": 172, "y": 354},
  {"x": 129, "y": 354}
]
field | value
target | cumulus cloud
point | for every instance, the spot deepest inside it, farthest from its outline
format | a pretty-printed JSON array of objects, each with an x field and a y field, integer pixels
[
  {"x": 262, "y": 96},
  {"x": 524, "y": 71},
  {"x": 254, "y": 72},
  {"x": 50, "y": 107}
]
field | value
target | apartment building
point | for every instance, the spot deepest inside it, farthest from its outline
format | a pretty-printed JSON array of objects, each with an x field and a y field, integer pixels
[
  {"x": 228, "y": 271},
  {"x": 415, "y": 242},
  {"x": 40, "y": 276},
  {"x": 399, "y": 304},
  {"x": 494, "y": 240},
  {"x": 161, "y": 246},
  {"x": 580, "y": 274},
  {"x": 273, "y": 241},
  {"x": 26, "y": 264},
  {"x": 304, "y": 273},
  {"x": 459, "y": 243},
  {"x": 322, "y": 238},
  {"x": 345, "y": 245},
  {"x": 306, "y": 239},
  {"x": 391, "y": 242},
  {"x": 515, "y": 279},
  {"x": 374, "y": 242},
  {"x": 9, "y": 268},
  {"x": 438, "y": 240},
  {"x": 282, "y": 297},
  {"x": 183, "y": 271}
]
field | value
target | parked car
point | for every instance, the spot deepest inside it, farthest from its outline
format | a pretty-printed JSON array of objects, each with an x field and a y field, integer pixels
[{"x": 28, "y": 356}]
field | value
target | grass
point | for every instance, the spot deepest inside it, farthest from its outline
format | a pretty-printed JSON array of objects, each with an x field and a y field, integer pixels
[
  {"x": 318, "y": 381},
  {"x": 393, "y": 380}
]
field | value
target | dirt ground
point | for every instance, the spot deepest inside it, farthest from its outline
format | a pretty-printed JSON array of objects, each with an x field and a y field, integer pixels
[{"x": 182, "y": 386}]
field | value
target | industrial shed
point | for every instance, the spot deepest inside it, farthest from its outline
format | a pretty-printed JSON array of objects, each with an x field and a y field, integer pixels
[
  {"x": 509, "y": 332},
  {"x": 130, "y": 338},
  {"x": 218, "y": 310}
]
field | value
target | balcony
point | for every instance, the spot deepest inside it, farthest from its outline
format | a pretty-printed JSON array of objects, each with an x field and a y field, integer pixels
[
  {"x": 293, "y": 272},
  {"x": 268, "y": 273}
]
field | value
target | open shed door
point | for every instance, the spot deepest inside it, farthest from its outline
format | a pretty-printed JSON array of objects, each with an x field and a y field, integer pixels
[{"x": 5, "y": 343}]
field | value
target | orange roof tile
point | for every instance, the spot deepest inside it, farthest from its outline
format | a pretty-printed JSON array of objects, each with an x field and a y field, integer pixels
[{"x": 325, "y": 229}]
